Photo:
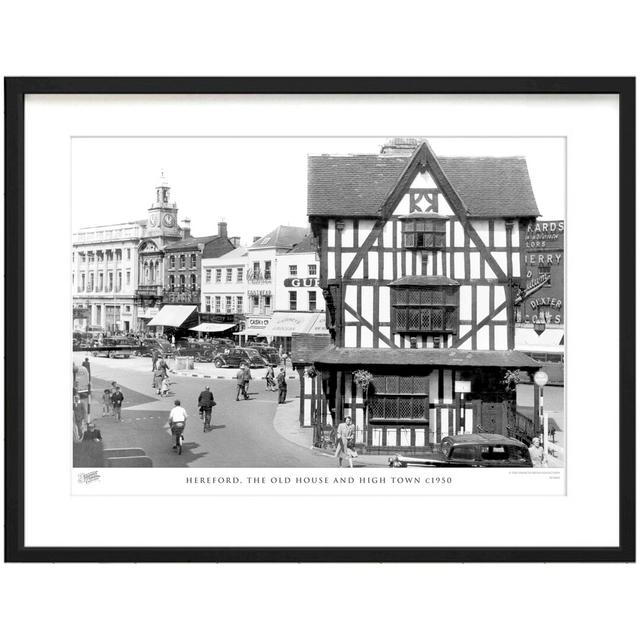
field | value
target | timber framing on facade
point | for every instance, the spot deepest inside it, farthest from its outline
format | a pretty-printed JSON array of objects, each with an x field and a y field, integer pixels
[{"x": 426, "y": 253}]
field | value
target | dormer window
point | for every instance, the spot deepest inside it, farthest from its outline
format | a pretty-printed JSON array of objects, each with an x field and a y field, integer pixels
[{"x": 424, "y": 233}]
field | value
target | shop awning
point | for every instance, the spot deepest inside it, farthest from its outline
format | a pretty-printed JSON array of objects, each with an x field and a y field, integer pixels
[
  {"x": 349, "y": 357},
  {"x": 551, "y": 340},
  {"x": 248, "y": 332},
  {"x": 212, "y": 327},
  {"x": 172, "y": 315},
  {"x": 285, "y": 324}
]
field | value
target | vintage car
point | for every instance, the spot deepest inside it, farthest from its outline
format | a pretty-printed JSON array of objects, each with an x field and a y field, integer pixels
[
  {"x": 268, "y": 354},
  {"x": 117, "y": 347},
  {"x": 471, "y": 450},
  {"x": 163, "y": 348},
  {"x": 199, "y": 351},
  {"x": 234, "y": 357}
]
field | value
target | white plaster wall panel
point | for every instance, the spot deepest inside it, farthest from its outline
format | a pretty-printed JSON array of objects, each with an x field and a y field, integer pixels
[
  {"x": 419, "y": 437},
  {"x": 482, "y": 229},
  {"x": 359, "y": 272},
  {"x": 458, "y": 266},
  {"x": 351, "y": 296},
  {"x": 384, "y": 311},
  {"x": 500, "y": 339},
  {"x": 498, "y": 295},
  {"x": 349, "y": 317},
  {"x": 499, "y": 234},
  {"x": 373, "y": 265},
  {"x": 347, "y": 234},
  {"x": 366, "y": 337},
  {"x": 331, "y": 270},
  {"x": 388, "y": 266},
  {"x": 483, "y": 338},
  {"x": 399, "y": 264},
  {"x": 367, "y": 303},
  {"x": 515, "y": 236},
  {"x": 396, "y": 340},
  {"x": 347, "y": 258},
  {"x": 347, "y": 391},
  {"x": 376, "y": 437},
  {"x": 468, "y": 420},
  {"x": 474, "y": 264},
  {"x": 306, "y": 417},
  {"x": 501, "y": 258},
  {"x": 359, "y": 421},
  {"x": 515, "y": 264},
  {"x": 458, "y": 234},
  {"x": 388, "y": 234},
  {"x": 465, "y": 305},
  {"x": 466, "y": 345},
  {"x": 445, "y": 427},
  {"x": 392, "y": 437},
  {"x": 385, "y": 331},
  {"x": 331, "y": 233},
  {"x": 482, "y": 302},
  {"x": 350, "y": 336},
  {"x": 405, "y": 437}
]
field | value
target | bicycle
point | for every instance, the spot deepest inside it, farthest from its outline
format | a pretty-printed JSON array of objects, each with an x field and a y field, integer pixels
[{"x": 176, "y": 430}]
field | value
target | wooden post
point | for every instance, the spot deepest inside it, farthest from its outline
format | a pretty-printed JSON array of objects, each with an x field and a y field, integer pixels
[
  {"x": 339, "y": 396},
  {"x": 302, "y": 394}
]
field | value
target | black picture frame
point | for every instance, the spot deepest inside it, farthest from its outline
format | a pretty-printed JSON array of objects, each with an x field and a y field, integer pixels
[{"x": 15, "y": 91}]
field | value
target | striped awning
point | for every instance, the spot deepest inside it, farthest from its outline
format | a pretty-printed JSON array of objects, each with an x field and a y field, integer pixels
[{"x": 286, "y": 324}]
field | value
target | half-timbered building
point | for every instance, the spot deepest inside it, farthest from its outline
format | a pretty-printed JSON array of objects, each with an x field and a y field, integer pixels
[{"x": 420, "y": 263}]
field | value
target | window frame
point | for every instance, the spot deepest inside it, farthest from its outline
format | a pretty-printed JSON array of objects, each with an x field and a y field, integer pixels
[{"x": 424, "y": 309}]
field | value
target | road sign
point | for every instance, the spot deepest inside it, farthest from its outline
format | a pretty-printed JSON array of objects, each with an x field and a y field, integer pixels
[
  {"x": 463, "y": 386},
  {"x": 540, "y": 378}
]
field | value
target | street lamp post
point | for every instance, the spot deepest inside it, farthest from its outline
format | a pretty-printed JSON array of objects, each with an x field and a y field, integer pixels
[
  {"x": 540, "y": 379},
  {"x": 462, "y": 387}
]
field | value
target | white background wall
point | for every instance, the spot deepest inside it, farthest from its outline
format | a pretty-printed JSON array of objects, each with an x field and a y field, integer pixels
[{"x": 238, "y": 601}]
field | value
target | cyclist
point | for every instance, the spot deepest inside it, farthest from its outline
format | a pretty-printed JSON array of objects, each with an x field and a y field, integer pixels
[
  {"x": 205, "y": 404},
  {"x": 177, "y": 422}
]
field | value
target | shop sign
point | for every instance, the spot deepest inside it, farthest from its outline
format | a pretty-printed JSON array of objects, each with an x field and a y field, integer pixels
[
  {"x": 301, "y": 282},
  {"x": 80, "y": 313},
  {"x": 256, "y": 322}
]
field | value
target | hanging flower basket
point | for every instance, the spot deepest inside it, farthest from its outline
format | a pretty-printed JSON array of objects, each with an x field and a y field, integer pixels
[
  {"x": 363, "y": 378},
  {"x": 511, "y": 379},
  {"x": 311, "y": 372}
]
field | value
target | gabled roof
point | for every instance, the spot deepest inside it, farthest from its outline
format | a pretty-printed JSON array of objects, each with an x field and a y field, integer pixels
[
  {"x": 306, "y": 245},
  {"x": 189, "y": 243},
  {"x": 358, "y": 185},
  {"x": 282, "y": 237}
]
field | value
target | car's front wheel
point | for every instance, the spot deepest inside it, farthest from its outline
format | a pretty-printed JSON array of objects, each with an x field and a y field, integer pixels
[{"x": 218, "y": 363}]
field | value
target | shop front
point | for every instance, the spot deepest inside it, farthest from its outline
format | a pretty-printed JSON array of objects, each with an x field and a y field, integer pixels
[
  {"x": 283, "y": 324},
  {"x": 175, "y": 319},
  {"x": 411, "y": 399}
]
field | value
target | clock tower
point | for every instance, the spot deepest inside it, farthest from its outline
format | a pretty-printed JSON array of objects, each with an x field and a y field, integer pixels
[{"x": 163, "y": 214}]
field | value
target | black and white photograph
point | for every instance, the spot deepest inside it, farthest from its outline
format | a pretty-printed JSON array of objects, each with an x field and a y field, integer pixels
[{"x": 291, "y": 302}]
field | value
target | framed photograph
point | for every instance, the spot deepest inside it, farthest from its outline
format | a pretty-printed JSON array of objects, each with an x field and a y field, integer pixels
[{"x": 320, "y": 319}]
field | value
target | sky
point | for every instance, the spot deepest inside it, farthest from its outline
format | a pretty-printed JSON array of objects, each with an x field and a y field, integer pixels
[{"x": 255, "y": 184}]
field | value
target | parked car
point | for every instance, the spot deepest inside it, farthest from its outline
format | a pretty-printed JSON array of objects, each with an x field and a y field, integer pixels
[
  {"x": 268, "y": 354},
  {"x": 471, "y": 450},
  {"x": 160, "y": 346},
  {"x": 236, "y": 357},
  {"x": 116, "y": 347},
  {"x": 199, "y": 351}
]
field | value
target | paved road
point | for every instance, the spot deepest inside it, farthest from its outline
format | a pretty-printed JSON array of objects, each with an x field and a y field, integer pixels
[{"x": 242, "y": 433}]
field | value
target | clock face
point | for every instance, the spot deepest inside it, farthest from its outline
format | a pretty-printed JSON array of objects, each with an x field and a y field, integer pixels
[{"x": 168, "y": 220}]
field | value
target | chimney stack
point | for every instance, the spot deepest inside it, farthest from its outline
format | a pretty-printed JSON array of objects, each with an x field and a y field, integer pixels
[
  {"x": 256, "y": 238},
  {"x": 186, "y": 228},
  {"x": 222, "y": 229},
  {"x": 399, "y": 147},
  {"x": 235, "y": 241}
]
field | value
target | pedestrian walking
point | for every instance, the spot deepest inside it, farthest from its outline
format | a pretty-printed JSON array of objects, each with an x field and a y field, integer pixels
[
  {"x": 346, "y": 442},
  {"x": 271, "y": 379},
  {"x": 87, "y": 365},
  {"x": 247, "y": 378},
  {"x": 240, "y": 391},
  {"x": 206, "y": 402},
  {"x": 79, "y": 417},
  {"x": 106, "y": 403},
  {"x": 114, "y": 387},
  {"x": 116, "y": 400},
  {"x": 164, "y": 387},
  {"x": 162, "y": 366},
  {"x": 154, "y": 360},
  {"x": 282, "y": 386},
  {"x": 92, "y": 434},
  {"x": 536, "y": 451},
  {"x": 157, "y": 380}
]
